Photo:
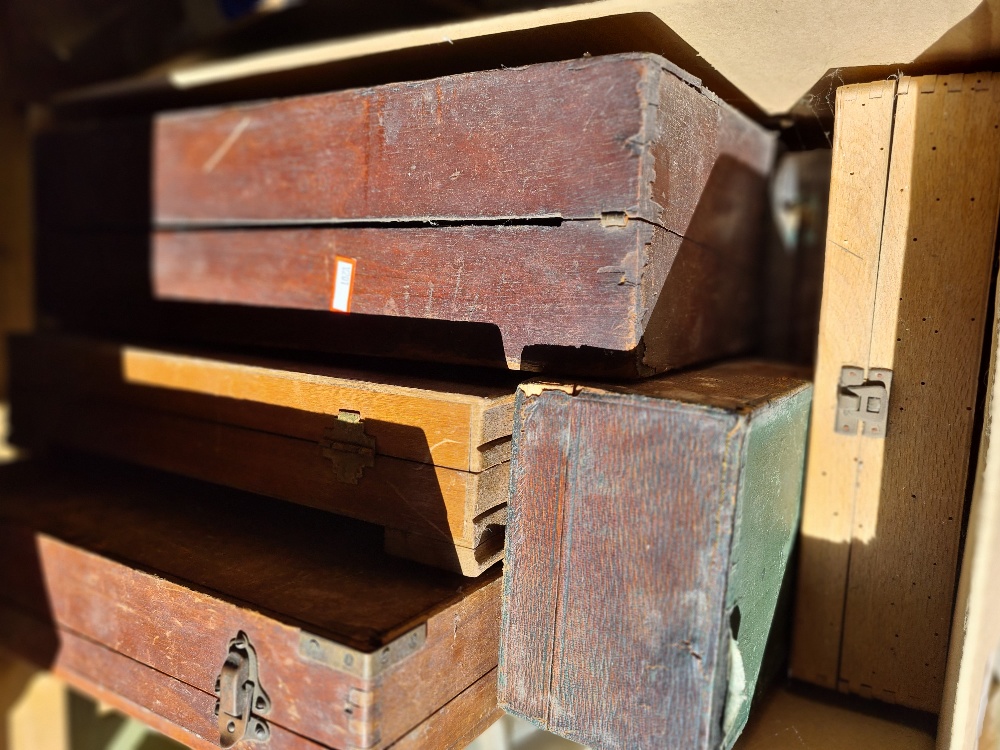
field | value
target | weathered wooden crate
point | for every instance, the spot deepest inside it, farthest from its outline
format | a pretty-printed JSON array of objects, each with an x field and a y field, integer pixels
[
  {"x": 426, "y": 459},
  {"x": 170, "y": 597},
  {"x": 649, "y": 534},
  {"x": 601, "y": 214}
]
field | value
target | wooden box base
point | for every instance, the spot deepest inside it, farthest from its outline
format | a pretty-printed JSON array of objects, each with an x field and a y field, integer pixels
[{"x": 137, "y": 585}]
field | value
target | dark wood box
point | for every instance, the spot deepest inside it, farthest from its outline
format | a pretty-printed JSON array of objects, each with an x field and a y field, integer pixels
[
  {"x": 428, "y": 459},
  {"x": 598, "y": 215},
  {"x": 649, "y": 535},
  {"x": 140, "y": 587}
]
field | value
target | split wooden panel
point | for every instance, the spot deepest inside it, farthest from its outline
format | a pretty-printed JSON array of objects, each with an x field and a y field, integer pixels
[
  {"x": 648, "y": 298},
  {"x": 610, "y": 184},
  {"x": 861, "y": 148},
  {"x": 426, "y": 459},
  {"x": 649, "y": 533},
  {"x": 135, "y": 583},
  {"x": 907, "y": 491}
]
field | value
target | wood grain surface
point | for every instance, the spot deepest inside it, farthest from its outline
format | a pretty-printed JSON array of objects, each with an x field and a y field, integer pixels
[
  {"x": 793, "y": 717},
  {"x": 635, "y": 289},
  {"x": 930, "y": 316},
  {"x": 454, "y": 424},
  {"x": 654, "y": 218},
  {"x": 861, "y": 148},
  {"x": 438, "y": 502},
  {"x": 571, "y": 275},
  {"x": 184, "y": 713},
  {"x": 974, "y": 644},
  {"x": 618, "y": 634},
  {"x": 691, "y": 301},
  {"x": 120, "y": 403},
  {"x": 149, "y": 587},
  {"x": 574, "y": 140}
]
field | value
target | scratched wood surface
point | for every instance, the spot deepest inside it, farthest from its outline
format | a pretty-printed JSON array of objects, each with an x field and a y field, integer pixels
[
  {"x": 184, "y": 713},
  {"x": 573, "y": 140},
  {"x": 861, "y": 148},
  {"x": 575, "y": 285},
  {"x": 662, "y": 239},
  {"x": 136, "y": 564},
  {"x": 625, "y": 635},
  {"x": 792, "y": 718},
  {"x": 930, "y": 316},
  {"x": 419, "y": 293}
]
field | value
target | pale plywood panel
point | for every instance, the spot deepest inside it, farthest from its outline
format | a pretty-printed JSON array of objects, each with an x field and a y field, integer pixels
[
  {"x": 975, "y": 635},
  {"x": 943, "y": 197},
  {"x": 802, "y": 44},
  {"x": 857, "y": 197}
]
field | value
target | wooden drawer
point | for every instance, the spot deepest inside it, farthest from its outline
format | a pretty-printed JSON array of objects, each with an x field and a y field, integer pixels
[
  {"x": 143, "y": 585},
  {"x": 426, "y": 459},
  {"x": 607, "y": 203},
  {"x": 649, "y": 536}
]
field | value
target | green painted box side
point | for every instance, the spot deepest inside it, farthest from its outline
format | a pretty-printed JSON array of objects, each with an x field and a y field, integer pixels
[{"x": 767, "y": 518}]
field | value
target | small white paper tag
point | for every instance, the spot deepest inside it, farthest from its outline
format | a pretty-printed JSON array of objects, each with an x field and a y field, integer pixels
[{"x": 343, "y": 283}]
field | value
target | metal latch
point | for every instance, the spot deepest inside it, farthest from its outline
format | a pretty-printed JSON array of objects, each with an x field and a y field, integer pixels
[
  {"x": 863, "y": 400},
  {"x": 242, "y": 701},
  {"x": 349, "y": 447}
]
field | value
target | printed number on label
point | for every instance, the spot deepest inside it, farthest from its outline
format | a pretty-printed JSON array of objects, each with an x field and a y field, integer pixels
[{"x": 343, "y": 284}]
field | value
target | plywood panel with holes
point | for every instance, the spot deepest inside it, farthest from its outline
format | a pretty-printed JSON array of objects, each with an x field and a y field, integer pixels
[{"x": 905, "y": 492}]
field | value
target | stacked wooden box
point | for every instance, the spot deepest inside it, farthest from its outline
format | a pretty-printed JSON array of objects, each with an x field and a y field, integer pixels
[
  {"x": 598, "y": 218},
  {"x": 594, "y": 221}
]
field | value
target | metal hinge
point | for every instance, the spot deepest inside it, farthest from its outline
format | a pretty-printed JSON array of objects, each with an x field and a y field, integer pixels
[
  {"x": 348, "y": 447},
  {"x": 863, "y": 400},
  {"x": 366, "y": 665},
  {"x": 242, "y": 701}
]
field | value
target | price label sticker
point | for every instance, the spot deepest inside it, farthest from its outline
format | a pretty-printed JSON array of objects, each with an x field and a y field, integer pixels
[{"x": 343, "y": 283}]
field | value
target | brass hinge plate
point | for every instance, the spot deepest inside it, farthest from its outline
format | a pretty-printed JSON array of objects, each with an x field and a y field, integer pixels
[{"x": 367, "y": 666}]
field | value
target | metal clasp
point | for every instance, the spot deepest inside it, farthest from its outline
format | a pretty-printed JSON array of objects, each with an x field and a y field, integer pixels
[
  {"x": 242, "y": 701},
  {"x": 863, "y": 400},
  {"x": 350, "y": 449}
]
